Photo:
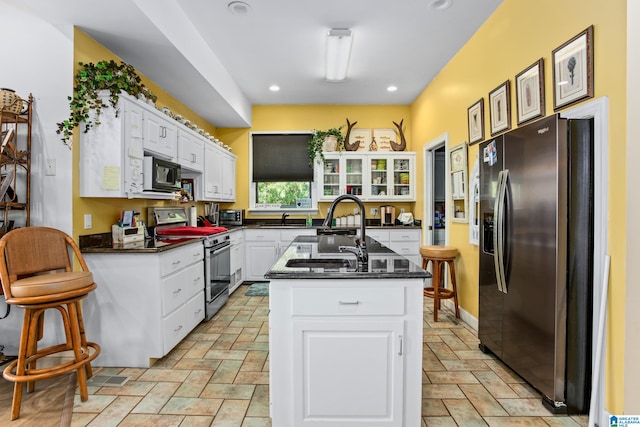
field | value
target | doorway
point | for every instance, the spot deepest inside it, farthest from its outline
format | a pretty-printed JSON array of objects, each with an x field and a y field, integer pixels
[{"x": 434, "y": 227}]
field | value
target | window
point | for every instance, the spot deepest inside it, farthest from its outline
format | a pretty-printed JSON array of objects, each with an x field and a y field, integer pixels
[{"x": 280, "y": 176}]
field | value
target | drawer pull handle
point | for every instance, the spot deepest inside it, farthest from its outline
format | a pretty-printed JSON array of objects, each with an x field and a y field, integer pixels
[
  {"x": 176, "y": 263},
  {"x": 199, "y": 311},
  {"x": 349, "y": 302},
  {"x": 176, "y": 330},
  {"x": 197, "y": 280},
  {"x": 177, "y": 291},
  {"x": 401, "y": 345}
]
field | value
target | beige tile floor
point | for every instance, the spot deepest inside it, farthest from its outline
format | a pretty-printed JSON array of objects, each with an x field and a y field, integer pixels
[{"x": 218, "y": 376}]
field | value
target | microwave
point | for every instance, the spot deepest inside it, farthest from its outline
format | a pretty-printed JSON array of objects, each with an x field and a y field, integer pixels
[
  {"x": 161, "y": 175},
  {"x": 231, "y": 217}
]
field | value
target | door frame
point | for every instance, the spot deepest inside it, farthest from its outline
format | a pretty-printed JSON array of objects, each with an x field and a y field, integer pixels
[{"x": 428, "y": 176}]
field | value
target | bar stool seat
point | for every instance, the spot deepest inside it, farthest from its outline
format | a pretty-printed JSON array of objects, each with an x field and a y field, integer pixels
[
  {"x": 37, "y": 274},
  {"x": 440, "y": 257}
]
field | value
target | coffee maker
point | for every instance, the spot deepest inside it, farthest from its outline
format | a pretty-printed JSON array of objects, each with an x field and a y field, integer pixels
[{"x": 387, "y": 215}]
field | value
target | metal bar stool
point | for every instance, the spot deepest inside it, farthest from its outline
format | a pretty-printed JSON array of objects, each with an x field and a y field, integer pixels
[
  {"x": 25, "y": 255},
  {"x": 440, "y": 257}
]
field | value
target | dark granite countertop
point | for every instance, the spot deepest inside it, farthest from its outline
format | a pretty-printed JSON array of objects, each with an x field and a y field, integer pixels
[
  {"x": 383, "y": 262},
  {"x": 102, "y": 243}
]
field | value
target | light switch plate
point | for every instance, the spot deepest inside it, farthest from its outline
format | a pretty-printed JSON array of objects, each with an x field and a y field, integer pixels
[
  {"x": 50, "y": 167},
  {"x": 87, "y": 221}
]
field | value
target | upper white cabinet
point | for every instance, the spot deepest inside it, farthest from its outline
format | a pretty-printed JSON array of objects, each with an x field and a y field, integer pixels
[
  {"x": 160, "y": 135},
  {"x": 373, "y": 176},
  {"x": 112, "y": 153},
  {"x": 190, "y": 151}
]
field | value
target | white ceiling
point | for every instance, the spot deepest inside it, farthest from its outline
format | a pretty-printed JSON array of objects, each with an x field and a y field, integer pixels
[{"x": 219, "y": 63}]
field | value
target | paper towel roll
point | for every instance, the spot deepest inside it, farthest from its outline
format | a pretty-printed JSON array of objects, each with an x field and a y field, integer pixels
[{"x": 193, "y": 216}]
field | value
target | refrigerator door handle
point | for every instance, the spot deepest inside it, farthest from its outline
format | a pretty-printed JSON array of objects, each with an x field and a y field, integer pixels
[{"x": 498, "y": 234}]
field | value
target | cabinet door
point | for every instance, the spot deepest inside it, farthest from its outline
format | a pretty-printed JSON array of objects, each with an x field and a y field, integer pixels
[
  {"x": 348, "y": 373},
  {"x": 379, "y": 177},
  {"x": 260, "y": 258},
  {"x": 329, "y": 181},
  {"x": 228, "y": 177},
  {"x": 212, "y": 175},
  {"x": 190, "y": 151},
  {"x": 160, "y": 136},
  {"x": 403, "y": 177},
  {"x": 354, "y": 175}
]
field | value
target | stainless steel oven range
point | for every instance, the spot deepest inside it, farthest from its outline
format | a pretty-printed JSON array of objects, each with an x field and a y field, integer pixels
[{"x": 171, "y": 223}]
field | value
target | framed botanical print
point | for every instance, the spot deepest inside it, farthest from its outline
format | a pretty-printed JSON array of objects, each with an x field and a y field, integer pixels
[
  {"x": 475, "y": 115},
  {"x": 530, "y": 92},
  {"x": 500, "y": 108},
  {"x": 573, "y": 70}
]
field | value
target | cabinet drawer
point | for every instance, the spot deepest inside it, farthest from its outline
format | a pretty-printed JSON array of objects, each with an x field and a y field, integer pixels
[
  {"x": 287, "y": 236},
  {"x": 330, "y": 301},
  {"x": 177, "y": 259},
  {"x": 179, "y": 287},
  {"x": 175, "y": 328},
  {"x": 195, "y": 310},
  {"x": 381, "y": 236},
  {"x": 404, "y": 235},
  {"x": 405, "y": 249},
  {"x": 261, "y": 235}
]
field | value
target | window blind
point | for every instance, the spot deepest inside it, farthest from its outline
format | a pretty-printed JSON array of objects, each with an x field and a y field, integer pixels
[{"x": 281, "y": 157}]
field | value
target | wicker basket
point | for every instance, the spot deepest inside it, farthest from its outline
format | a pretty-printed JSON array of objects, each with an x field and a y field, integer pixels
[{"x": 10, "y": 102}]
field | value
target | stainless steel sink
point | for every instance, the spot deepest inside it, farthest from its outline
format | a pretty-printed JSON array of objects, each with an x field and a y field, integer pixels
[{"x": 326, "y": 263}]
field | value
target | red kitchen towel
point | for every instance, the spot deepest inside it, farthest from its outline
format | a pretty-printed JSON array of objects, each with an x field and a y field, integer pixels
[{"x": 191, "y": 231}]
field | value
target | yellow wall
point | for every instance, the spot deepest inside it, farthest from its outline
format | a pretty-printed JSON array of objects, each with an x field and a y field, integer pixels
[
  {"x": 514, "y": 37},
  {"x": 307, "y": 118},
  {"x": 106, "y": 211}
]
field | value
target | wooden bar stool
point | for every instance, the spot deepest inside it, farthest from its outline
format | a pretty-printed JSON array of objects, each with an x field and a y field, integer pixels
[
  {"x": 440, "y": 257},
  {"x": 25, "y": 255}
]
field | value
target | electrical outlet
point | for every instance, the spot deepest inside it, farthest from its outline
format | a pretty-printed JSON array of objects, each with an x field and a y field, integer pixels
[
  {"x": 87, "y": 221},
  {"x": 355, "y": 211},
  {"x": 373, "y": 211},
  {"x": 50, "y": 167}
]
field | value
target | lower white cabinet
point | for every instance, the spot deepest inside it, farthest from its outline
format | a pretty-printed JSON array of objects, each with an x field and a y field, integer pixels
[
  {"x": 263, "y": 246},
  {"x": 145, "y": 303},
  {"x": 345, "y": 353},
  {"x": 405, "y": 241},
  {"x": 237, "y": 256}
]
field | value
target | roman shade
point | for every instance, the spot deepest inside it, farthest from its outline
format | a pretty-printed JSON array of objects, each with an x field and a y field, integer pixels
[{"x": 281, "y": 157}]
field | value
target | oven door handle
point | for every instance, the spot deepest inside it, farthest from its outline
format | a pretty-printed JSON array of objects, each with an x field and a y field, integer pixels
[{"x": 220, "y": 250}]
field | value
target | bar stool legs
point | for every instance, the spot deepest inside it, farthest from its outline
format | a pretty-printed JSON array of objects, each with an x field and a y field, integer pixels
[{"x": 440, "y": 257}]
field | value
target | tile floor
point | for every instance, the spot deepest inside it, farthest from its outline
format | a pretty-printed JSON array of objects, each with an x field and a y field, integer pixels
[{"x": 218, "y": 376}]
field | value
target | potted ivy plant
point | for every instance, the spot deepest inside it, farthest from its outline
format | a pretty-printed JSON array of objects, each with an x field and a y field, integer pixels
[
  {"x": 86, "y": 103},
  {"x": 325, "y": 140}
]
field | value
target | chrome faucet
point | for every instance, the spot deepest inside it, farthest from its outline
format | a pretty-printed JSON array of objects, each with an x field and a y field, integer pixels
[{"x": 360, "y": 250}]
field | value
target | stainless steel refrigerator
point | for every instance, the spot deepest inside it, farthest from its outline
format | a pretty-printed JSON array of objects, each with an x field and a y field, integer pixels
[{"x": 536, "y": 250}]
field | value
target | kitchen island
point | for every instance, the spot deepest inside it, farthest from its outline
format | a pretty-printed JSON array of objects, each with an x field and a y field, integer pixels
[{"x": 345, "y": 342}]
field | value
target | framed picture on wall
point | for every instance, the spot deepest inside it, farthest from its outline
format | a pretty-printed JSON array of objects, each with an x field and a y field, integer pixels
[
  {"x": 186, "y": 194},
  {"x": 573, "y": 70},
  {"x": 530, "y": 92},
  {"x": 475, "y": 115},
  {"x": 362, "y": 137},
  {"x": 500, "y": 108}
]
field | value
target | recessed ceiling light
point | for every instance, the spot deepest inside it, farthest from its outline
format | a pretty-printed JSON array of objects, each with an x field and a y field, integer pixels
[
  {"x": 392, "y": 88},
  {"x": 274, "y": 88},
  {"x": 239, "y": 8},
  {"x": 440, "y": 4}
]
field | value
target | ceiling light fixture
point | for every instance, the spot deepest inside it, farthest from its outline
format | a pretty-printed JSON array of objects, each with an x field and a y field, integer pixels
[
  {"x": 440, "y": 4},
  {"x": 274, "y": 88},
  {"x": 392, "y": 88},
  {"x": 239, "y": 8},
  {"x": 338, "y": 53}
]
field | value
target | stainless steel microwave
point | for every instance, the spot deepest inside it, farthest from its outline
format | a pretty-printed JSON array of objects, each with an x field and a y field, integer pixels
[
  {"x": 161, "y": 175},
  {"x": 231, "y": 217}
]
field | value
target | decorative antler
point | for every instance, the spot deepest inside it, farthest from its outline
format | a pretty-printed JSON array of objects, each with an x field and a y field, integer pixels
[
  {"x": 350, "y": 146},
  {"x": 403, "y": 142}
]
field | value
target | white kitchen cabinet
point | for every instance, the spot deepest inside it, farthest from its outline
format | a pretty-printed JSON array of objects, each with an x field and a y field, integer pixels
[
  {"x": 263, "y": 246},
  {"x": 190, "y": 151},
  {"x": 345, "y": 353},
  {"x": 160, "y": 135},
  {"x": 405, "y": 241},
  {"x": 372, "y": 176},
  {"x": 228, "y": 177},
  {"x": 145, "y": 303},
  {"x": 111, "y": 154},
  {"x": 237, "y": 257}
]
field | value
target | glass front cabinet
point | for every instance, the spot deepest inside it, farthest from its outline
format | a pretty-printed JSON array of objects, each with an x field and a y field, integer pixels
[{"x": 370, "y": 176}]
